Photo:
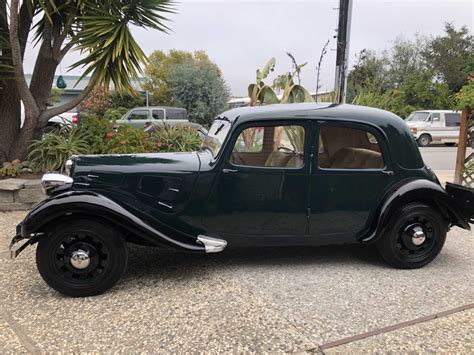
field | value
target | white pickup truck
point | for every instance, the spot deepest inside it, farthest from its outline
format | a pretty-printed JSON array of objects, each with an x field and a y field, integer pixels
[
  {"x": 68, "y": 118},
  {"x": 435, "y": 126}
]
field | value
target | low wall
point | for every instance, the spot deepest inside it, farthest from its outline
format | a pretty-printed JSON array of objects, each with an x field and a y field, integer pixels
[{"x": 20, "y": 194}]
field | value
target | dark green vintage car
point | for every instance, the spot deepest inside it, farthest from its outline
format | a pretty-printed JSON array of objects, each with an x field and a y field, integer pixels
[{"x": 298, "y": 174}]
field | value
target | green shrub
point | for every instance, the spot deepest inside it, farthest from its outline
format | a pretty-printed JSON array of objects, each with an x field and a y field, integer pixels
[
  {"x": 115, "y": 113},
  {"x": 176, "y": 138},
  {"x": 103, "y": 138},
  {"x": 51, "y": 152},
  {"x": 11, "y": 171}
]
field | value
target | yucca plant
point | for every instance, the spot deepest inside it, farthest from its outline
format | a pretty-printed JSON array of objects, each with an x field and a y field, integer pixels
[
  {"x": 52, "y": 152},
  {"x": 176, "y": 138}
]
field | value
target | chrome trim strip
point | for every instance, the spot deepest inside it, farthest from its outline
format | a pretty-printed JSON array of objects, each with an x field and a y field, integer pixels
[
  {"x": 174, "y": 190},
  {"x": 165, "y": 205},
  {"x": 212, "y": 245}
]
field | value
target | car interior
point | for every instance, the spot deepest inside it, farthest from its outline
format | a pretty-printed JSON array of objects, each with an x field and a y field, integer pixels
[{"x": 283, "y": 147}]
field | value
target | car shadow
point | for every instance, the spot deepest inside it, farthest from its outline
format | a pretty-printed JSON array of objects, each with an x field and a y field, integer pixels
[{"x": 154, "y": 263}]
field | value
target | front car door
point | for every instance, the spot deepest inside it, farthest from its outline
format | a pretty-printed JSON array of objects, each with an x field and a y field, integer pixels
[
  {"x": 260, "y": 196},
  {"x": 351, "y": 173},
  {"x": 139, "y": 118}
]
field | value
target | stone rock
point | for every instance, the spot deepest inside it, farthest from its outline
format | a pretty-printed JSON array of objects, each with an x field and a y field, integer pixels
[
  {"x": 25, "y": 164},
  {"x": 33, "y": 184},
  {"x": 16, "y": 161},
  {"x": 12, "y": 184},
  {"x": 14, "y": 206},
  {"x": 25, "y": 170},
  {"x": 7, "y": 164},
  {"x": 17, "y": 165},
  {"x": 29, "y": 195},
  {"x": 6, "y": 196}
]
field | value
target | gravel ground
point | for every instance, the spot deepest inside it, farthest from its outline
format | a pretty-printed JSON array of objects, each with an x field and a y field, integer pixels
[{"x": 262, "y": 300}]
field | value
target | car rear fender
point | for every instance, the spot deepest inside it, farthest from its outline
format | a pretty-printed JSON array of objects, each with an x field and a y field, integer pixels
[
  {"x": 418, "y": 190},
  {"x": 85, "y": 203}
]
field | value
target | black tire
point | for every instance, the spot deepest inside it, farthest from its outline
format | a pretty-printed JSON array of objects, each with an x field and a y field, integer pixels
[
  {"x": 450, "y": 144},
  {"x": 424, "y": 140},
  {"x": 398, "y": 247},
  {"x": 106, "y": 252}
]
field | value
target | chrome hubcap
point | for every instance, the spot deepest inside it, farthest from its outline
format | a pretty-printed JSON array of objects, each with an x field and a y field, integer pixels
[
  {"x": 418, "y": 237},
  {"x": 80, "y": 259}
]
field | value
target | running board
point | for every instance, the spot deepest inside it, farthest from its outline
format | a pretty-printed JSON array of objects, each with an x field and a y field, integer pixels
[{"x": 212, "y": 245}]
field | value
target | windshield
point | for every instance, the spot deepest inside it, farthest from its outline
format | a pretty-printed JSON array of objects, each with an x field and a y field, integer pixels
[
  {"x": 216, "y": 136},
  {"x": 418, "y": 116}
]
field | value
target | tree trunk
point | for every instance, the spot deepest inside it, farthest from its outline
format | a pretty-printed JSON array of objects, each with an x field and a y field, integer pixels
[{"x": 10, "y": 117}]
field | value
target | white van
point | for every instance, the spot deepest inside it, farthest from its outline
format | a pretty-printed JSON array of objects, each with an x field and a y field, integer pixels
[{"x": 435, "y": 126}]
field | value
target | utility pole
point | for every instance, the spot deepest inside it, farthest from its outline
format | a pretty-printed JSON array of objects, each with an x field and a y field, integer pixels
[{"x": 342, "y": 54}]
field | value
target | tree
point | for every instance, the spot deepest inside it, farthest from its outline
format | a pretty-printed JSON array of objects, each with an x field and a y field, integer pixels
[
  {"x": 199, "y": 87},
  {"x": 158, "y": 71},
  {"x": 451, "y": 56},
  {"x": 100, "y": 29}
]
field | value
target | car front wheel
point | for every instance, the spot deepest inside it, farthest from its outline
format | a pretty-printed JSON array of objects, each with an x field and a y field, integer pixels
[
  {"x": 424, "y": 140},
  {"x": 82, "y": 257},
  {"x": 414, "y": 237}
]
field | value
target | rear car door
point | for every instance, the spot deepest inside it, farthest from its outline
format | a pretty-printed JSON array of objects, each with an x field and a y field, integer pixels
[
  {"x": 351, "y": 173},
  {"x": 260, "y": 196}
]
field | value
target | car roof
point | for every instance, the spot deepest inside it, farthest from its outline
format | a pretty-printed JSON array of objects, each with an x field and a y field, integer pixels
[
  {"x": 161, "y": 107},
  {"x": 327, "y": 111},
  {"x": 436, "y": 111}
]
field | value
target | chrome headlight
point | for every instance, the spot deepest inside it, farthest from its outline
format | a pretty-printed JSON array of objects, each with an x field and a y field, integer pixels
[{"x": 53, "y": 182}]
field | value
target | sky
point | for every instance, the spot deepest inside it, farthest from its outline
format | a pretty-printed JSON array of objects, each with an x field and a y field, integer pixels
[{"x": 241, "y": 36}]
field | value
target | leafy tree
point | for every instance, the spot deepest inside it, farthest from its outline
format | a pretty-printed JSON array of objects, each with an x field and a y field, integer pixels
[
  {"x": 100, "y": 29},
  {"x": 159, "y": 67},
  {"x": 199, "y": 87},
  {"x": 451, "y": 56}
]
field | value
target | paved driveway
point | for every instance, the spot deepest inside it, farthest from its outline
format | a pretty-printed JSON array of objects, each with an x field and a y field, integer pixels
[{"x": 279, "y": 300}]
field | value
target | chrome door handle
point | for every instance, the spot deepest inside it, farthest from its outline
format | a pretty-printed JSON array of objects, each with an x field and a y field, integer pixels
[
  {"x": 225, "y": 171},
  {"x": 388, "y": 172}
]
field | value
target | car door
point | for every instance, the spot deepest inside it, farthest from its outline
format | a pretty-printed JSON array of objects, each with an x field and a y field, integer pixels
[
  {"x": 260, "y": 195},
  {"x": 351, "y": 173},
  {"x": 139, "y": 118}
]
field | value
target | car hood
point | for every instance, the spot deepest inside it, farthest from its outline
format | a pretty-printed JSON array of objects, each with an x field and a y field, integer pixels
[
  {"x": 413, "y": 124},
  {"x": 138, "y": 163}
]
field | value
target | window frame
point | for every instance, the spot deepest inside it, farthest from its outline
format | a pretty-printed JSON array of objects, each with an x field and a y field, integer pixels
[
  {"x": 136, "y": 110},
  {"x": 374, "y": 130},
  {"x": 306, "y": 124}
]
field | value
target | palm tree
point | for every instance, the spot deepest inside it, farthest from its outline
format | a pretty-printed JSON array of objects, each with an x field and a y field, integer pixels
[{"x": 99, "y": 29}]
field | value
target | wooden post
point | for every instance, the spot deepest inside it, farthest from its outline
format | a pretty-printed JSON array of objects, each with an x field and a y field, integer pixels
[{"x": 461, "y": 153}]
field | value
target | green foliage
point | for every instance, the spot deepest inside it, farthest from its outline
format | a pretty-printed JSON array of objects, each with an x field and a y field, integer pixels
[
  {"x": 51, "y": 152},
  {"x": 199, "y": 87},
  {"x": 451, "y": 56},
  {"x": 113, "y": 114},
  {"x": 11, "y": 171},
  {"x": 176, "y": 138},
  {"x": 159, "y": 68},
  {"x": 465, "y": 97},
  {"x": 97, "y": 102},
  {"x": 55, "y": 96},
  {"x": 127, "y": 101}
]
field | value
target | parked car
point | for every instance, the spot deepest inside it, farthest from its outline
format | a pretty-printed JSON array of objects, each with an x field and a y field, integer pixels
[
  {"x": 280, "y": 175},
  {"x": 156, "y": 126},
  {"x": 142, "y": 117},
  {"x": 435, "y": 126},
  {"x": 68, "y": 119}
]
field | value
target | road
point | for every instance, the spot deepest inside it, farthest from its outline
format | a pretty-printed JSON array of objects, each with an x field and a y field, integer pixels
[{"x": 440, "y": 158}]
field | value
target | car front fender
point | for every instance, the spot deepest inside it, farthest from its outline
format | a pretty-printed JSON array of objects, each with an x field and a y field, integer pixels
[
  {"x": 87, "y": 203},
  {"x": 418, "y": 190}
]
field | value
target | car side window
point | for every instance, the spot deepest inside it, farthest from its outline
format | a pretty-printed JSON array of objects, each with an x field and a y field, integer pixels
[
  {"x": 435, "y": 117},
  {"x": 270, "y": 146},
  {"x": 452, "y": 119},
  {"x": 158, "y": 114},
  {"x": 138, "y": 115},
  {"x": 349, "y": 148}
]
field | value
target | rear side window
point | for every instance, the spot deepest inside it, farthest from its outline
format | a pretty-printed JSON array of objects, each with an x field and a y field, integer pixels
[
  {"x": 452, "y": 119},
  {"x": 349, "y": 148},
  {"x": 173, "y": 114},
  {"x": 158, "y": 114}
]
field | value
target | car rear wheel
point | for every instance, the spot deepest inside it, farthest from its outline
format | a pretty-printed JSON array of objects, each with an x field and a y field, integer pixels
[
  {"x": 415, "y": 236},
  {"x": 424, "y": 140},
  {"x": 82, "y": 258}
]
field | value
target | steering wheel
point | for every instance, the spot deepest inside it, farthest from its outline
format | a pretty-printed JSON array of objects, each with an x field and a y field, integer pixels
[{"x": 236, "y": 153}]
